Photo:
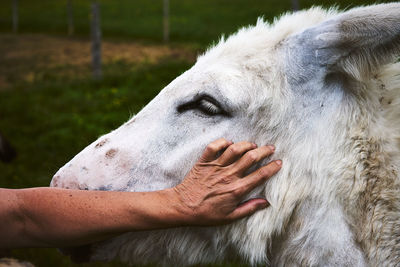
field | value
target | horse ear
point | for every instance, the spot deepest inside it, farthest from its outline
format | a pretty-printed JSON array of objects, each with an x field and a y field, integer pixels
[{"x": 356, "y": 42}]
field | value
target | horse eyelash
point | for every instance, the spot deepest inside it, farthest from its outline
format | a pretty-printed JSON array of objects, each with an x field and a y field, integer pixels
[
  {"x": 208, "y": 108},
  {"x": 204, "y": 103}
]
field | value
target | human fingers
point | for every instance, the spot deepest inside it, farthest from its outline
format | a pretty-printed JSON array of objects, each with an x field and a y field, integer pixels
[
  {"x": 252, "y": 157},
  {"x": 256, "y": 178},
  {"x": 235, "y": 151},
  {"x": 211, "y": 151},
  {"x": 248, "y": 208}
]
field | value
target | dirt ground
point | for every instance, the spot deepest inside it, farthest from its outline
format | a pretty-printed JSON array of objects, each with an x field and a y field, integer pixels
[{"x": 28, "y": 57}]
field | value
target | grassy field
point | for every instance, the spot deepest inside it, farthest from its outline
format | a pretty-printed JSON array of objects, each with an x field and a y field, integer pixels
[
  {"x": 191, "y": 20},
  {"x": 50, "y": 108}
]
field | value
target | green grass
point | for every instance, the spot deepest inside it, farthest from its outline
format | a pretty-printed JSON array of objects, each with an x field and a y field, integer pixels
[{"x": 191, "y": 20}]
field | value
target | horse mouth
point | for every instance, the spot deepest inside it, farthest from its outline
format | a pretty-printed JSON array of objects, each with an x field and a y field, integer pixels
[{"x": 79, "y": 254}]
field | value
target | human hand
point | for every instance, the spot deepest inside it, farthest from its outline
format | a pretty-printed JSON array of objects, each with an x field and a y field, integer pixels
[{"x": 210, "y": 194}]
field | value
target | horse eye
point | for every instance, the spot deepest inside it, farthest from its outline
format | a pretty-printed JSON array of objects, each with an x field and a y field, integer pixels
[
  {"x": 205, "y": 104},
  {"x": 208, "y": 108}
]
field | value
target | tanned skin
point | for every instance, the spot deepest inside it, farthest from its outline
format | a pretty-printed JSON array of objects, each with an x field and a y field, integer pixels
[{"x": 209, "y": 195}]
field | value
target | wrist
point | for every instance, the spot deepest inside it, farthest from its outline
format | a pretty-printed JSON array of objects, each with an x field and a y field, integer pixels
[{"x": 181, "y": 215}]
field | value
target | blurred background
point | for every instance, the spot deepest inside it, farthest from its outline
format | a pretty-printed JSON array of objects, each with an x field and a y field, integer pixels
[{"x": 72, "y": 70}]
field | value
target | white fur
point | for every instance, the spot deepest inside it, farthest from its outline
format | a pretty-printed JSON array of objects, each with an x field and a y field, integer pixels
[{"x": 321, "y": 86}]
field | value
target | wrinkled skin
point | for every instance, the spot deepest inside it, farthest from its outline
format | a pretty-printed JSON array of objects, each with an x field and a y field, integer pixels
[{"x": 212, "y": 192}]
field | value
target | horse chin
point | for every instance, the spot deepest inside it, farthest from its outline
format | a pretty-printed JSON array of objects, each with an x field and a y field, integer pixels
[{"x": 79, "y": 254}]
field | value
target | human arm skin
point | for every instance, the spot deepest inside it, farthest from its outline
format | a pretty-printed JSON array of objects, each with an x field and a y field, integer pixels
[{"x": 209, "y": 195}]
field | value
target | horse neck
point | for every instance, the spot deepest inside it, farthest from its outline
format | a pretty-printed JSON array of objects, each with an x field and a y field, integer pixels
[{"x": 373, "y": 199}]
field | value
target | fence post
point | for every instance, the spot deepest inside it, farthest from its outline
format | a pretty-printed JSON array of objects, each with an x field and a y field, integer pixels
[
  {"x": 15, "y": 16},
  {"x": 96, "y": 40},
  {"x": 166, "y": 20},
  {"x": 295, "y": 5},
  {"x": 70, "y": 18}
]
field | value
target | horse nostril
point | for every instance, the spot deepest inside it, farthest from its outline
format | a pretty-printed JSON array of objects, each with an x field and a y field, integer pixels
[
  {"x": 54, "y": 182},
  {"x": 64, "y": 178},
  {"x": 111, "y": 153}
]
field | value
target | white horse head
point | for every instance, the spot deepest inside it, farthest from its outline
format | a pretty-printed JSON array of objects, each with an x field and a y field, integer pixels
[{"x": 320, "y": 85}]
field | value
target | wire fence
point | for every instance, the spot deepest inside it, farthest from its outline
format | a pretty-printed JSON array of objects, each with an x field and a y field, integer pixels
[{"x": 155, "y": 20}]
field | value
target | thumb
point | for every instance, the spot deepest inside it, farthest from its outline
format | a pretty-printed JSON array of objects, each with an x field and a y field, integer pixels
[{"x": 249, "y": 207}]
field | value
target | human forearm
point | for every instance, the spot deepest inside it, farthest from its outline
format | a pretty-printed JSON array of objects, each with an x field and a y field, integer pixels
[
  {"x": 210, "y": 194},
  {"x": 62, "y": 217}
]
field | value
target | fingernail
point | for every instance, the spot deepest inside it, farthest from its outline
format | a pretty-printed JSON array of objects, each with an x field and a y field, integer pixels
[
  {"x": 264, "y": 205},
  {"x": 279, "y": 162},
  {"x": 254, "y": 145},
  {"x": 272, "y": 147}
]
